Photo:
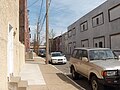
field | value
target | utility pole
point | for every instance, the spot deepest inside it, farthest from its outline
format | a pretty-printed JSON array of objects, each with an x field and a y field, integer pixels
[
  {"x": 47, "y": 33},
  {"x": 37, "y": 38}
]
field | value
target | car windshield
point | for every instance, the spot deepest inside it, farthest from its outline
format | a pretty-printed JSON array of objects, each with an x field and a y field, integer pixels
[
  {"x": 42, "y": 51},
  {"x": 101, "y": 55},
  {"x": 56, "y": 54}
]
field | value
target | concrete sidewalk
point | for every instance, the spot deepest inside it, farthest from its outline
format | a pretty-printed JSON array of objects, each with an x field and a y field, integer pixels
[{"x": 41, "y": 76}]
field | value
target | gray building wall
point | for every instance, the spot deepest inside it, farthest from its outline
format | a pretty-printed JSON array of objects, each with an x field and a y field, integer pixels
[{"x": 98, "y": 28}]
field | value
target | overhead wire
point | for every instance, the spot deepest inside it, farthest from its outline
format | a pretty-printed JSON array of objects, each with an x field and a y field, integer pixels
[
  {"x": 40, "y": 20},
  {"x": 33, "y": 3},
  {"x": 45, "y": 16},
  {"x": 50, "y": 3},
  {"x": 40, "y": 11}
]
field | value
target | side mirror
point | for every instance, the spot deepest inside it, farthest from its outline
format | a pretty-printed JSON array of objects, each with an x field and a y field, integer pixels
[
  {"x": 85, "y": 59},
  {"x": 119, "y": 57}
]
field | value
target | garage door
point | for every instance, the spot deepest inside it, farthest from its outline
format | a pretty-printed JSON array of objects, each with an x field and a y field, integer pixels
[{"x": 115, "y": 41}]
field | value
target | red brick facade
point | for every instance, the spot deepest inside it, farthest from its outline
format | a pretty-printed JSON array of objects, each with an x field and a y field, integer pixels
[{"x": 24, "y": 36}]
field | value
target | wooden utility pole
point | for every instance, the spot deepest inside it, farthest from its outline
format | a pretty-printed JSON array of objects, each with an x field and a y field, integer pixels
[
  {"x": 47, "y": 33},
  {"x": 37, "y": 38}
]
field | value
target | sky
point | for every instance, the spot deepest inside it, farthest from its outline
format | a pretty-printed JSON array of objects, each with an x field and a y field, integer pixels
[{"x": 62, "y": 13}]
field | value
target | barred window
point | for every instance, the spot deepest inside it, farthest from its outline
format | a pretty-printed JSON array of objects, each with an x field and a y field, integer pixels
[
  {"x": 84, "y": 26},
  {"x": 97, "y": 20}
]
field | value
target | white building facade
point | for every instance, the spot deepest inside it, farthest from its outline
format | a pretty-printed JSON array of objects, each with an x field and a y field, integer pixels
[{"x": 12, "y": 52}]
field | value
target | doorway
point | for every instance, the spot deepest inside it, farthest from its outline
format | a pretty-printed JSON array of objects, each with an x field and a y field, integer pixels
[{"x": 10, "y": 64}]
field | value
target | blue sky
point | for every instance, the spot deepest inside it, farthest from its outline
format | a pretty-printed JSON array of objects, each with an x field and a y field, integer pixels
[{"x": 62, "y": 13}]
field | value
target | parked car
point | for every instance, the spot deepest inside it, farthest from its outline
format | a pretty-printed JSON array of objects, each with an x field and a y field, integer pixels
[
  {"x": 57, "y": 57},
  {"x": 99, "y": 65},
  {"x": 42, "y": 52}
]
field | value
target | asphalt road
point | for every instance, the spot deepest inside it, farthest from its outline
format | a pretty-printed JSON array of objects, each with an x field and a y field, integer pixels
[{"x": 81, "y": 81}]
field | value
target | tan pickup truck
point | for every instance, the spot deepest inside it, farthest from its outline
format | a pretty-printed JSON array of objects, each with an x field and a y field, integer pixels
[{"x": 99, "y": 65}]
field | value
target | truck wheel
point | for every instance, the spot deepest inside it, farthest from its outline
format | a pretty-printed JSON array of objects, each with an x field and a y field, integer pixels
[
  {"x": 95, "y": 85},
  {"x": 75, "y": 75}
]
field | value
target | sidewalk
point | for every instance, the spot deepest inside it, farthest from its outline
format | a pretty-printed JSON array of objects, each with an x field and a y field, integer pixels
[{"x": 41, "y": 76}]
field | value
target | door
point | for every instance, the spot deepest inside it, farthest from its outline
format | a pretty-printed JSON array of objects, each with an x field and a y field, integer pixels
[
  {"x": 84, "y": 65},
  {"x": 10, "y": 50},
  {"x": 99, "y": 42}
]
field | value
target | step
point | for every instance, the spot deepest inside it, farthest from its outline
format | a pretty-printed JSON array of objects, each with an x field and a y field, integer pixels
[
  {"x": 15, "y": 83},
  {"x": 23, "y": 83}
]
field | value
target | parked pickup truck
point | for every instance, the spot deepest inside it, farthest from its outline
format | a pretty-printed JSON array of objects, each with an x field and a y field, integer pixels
[{"x": 99, "y": 65}]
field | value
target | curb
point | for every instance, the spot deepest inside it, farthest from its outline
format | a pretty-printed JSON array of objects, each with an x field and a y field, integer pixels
[{"x": 81, "y": 88}]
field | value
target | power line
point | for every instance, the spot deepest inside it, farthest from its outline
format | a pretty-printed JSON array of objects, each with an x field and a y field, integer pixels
[
  {"x": 40, "y": 11},
  {"x": 43, "y": 21},
  {"x": 44, "y": 17},
  {"x": 50, "y": 3},
  {"x": 40, "y": 20},
  {"x": 33, "y": 3}
]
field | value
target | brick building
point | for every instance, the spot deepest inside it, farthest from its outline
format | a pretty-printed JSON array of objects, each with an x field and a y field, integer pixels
[{"x": 24, "y": 24}]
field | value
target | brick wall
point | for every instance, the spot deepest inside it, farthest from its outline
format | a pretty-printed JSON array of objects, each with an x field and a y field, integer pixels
[{"x": 24, "y": 25}]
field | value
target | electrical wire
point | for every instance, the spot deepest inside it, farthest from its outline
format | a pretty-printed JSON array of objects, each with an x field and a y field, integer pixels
[
  {"x": 44, "y": 17},
  {"x": 33, "y": 3},
  {"x": 42, "y": 22},
  {"x": 50, "y": 3},
  {"x": 40, "y": 11}
]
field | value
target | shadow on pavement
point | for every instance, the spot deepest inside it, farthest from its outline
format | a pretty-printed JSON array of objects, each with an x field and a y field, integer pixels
[
  {"x": 67, "y": 80},
  {"x": 83, "y": 82}
]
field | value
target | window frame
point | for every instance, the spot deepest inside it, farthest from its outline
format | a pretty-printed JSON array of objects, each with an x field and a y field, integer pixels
[
  {"x": 97, "y": 19},
  {"x": 74, "y": 31},
  {"x": 82, "y": 26},
  {"x": 112, "y": 9}
]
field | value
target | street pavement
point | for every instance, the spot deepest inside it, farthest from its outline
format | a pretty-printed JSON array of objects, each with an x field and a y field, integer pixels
[{"x": 41, "y": 76}]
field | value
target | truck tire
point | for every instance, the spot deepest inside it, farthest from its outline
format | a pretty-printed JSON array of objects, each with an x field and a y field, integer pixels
[
  {"x": 75, "y": 75},
  {"x": 95, "y": 85}
]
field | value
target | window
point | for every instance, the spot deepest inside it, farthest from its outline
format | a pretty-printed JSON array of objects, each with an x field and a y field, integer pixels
[
  {"x": 114, "y": 13},
  {"x": 98, "y": 20},
  {"x": 69, "y": 48},
  {"x": 69, "y": 33},
  {"x": 95, "y": 44},
  {"x": 65, "y": 36},
  {"x": 79, "y": 54},
  {"x": 84, "y": 53},
  {"x": 100, "y": 44},
  {"x": 84, "y": 26},
  {"x": 74, "y": 31},
  {"x": 29, "y": 30},
  {"x": 74, "y": 44},
  {"x": 30, "y": 35},
  {"x": 83, "y": 45}
]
